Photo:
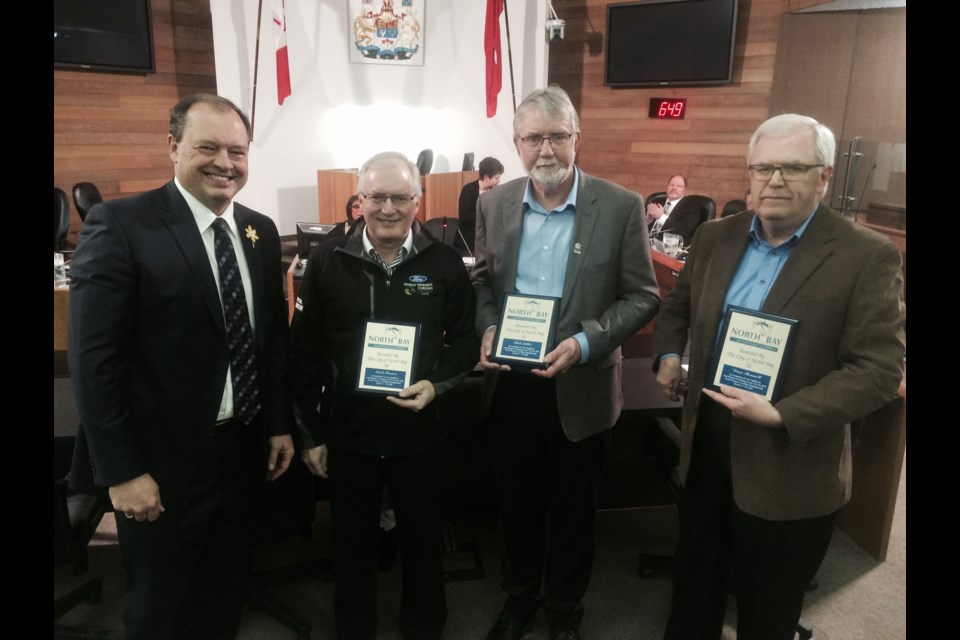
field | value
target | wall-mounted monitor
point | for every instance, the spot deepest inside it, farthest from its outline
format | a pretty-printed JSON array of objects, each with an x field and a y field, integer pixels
[
  {"x": 664, "y": 43},
  {"x": 103, "y": 35}
]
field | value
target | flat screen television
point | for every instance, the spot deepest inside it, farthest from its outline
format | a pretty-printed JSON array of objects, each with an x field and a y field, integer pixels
[
  {"x": 665, "y": 43},
  {"x": 103, "y": 35}
]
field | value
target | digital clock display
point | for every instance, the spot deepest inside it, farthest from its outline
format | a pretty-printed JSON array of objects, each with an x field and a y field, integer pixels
[{"x": 668, "y": 108}]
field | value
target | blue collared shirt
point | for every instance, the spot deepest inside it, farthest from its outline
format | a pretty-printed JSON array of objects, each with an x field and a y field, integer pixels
[
  {"x": 544, "y": 248},
  {"x": 759, "y": 267}
]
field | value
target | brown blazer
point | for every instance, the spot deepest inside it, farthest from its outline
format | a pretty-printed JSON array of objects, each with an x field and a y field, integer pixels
[
  {"x": 609, "y": 290},
  {"x": 843, "y": 283}
]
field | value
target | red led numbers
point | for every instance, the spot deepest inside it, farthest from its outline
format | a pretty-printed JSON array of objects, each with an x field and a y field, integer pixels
[{"x": 668, "y": 108}]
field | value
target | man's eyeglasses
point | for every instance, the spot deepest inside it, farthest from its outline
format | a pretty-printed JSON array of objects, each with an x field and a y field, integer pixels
[
  {"x": 787, "y": 171},
  {"x": 399, "y": 199},
  {"x": 556, "y": 140}
]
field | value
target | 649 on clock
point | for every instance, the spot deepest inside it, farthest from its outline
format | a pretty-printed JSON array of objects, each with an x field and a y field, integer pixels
[{"x": 668, "y": 108}]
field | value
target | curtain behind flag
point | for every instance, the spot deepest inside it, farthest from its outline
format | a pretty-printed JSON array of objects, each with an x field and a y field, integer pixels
[
  {"x": 491, "y": 49},
  {"x": 283, "y": 62}
]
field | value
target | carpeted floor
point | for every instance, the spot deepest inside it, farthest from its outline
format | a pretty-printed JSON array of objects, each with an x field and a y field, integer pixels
[{"x": 858, "y": 598}]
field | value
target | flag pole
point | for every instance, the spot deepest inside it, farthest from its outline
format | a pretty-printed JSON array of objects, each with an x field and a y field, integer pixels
[
  {"x": 513, "y": 90},
  {"x": 256, "y": 68}
]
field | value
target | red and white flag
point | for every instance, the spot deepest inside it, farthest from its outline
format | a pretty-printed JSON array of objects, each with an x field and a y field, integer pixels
[
  {"x": 283, "y": 62},
  {"x": 491, "y": 49}
]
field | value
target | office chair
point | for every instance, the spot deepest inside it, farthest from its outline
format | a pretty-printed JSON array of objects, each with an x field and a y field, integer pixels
[
  {"x": 659, "y": 197},
  {"x": 425, "y": 161},
  {"x": 61, "y": 218},
  {"x": 732, "y": 207},
  {"x": 75, "y": 519},
  {"x": 445, "y": 229},
  {"x": 85, "y": 195},
  {"x": 467, "y": 161},
  {"x": 287, "y": 507},
  {"x": 708, "y": 208}
]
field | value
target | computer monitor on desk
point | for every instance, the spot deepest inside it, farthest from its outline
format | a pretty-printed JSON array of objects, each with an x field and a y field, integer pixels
[{"x": 309, "y": 235}]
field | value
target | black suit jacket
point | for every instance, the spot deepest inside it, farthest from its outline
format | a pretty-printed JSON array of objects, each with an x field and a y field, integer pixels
[
  {"x": 147, "y": 342},
  {"x": 684, "y": 219}
]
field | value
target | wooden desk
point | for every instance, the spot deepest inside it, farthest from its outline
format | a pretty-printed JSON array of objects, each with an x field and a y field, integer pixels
[
  {"x": 61, "y": 310},
  {"x": 294, "y": 279},
  {"x": 334, "y": 188}
]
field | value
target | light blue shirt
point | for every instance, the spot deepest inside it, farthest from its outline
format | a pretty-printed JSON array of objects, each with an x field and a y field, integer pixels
[
  {"x": 759, "y": 267},
  {"x": 544, "y": 248}
]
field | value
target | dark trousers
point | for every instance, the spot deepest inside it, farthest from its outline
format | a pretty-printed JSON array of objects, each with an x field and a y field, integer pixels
[
  {"x": 356, "y": 490},
  {"x": 548, "y": 498},
  {"x": 772, "y": 562},
  {"x": 187, "y": 572}
]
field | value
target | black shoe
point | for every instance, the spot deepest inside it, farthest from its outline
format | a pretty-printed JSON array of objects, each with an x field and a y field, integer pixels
[
  {"x": 568, "y": 634},
  {"x": 507, "y": 627}
]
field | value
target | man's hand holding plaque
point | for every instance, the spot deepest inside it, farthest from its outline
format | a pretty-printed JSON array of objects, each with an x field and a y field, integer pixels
[
  {"x": 526, "y": 332},
  {"x": 388, "y": 357}
]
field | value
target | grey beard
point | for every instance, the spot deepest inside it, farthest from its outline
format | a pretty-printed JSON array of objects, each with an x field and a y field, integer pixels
[{"x": 550, "y": 176}]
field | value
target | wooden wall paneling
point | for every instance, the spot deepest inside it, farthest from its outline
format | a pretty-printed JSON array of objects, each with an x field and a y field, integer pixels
[
  {"x": 110, "y": 129},
  {"x": 441, "y": 193},
  {"x": 334, "y": 188},
  {"x": 812, "y": 74},
  {"x": 622, "y": 144},
  {"x": 877, "y": 106}
]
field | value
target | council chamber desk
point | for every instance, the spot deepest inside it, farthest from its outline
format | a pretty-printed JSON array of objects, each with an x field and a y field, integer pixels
[{"x": 878, "y": 452}]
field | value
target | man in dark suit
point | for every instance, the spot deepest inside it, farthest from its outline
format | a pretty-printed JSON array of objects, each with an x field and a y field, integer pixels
[
  {"x": 762, "y": 481},
  {"x": 673, "y": 213},
  {"x": 564, "y": 234},
  {"x": 490, "y": 171},
  {"x": 178, "y": 346}
]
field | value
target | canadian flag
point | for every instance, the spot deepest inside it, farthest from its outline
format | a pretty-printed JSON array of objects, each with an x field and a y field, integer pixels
[
  {"x": 283, "y": 62},
  {"x": 491, "y": 49}
]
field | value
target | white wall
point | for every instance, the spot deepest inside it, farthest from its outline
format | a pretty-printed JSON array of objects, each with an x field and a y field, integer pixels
[{"x": 339, "y": 113}]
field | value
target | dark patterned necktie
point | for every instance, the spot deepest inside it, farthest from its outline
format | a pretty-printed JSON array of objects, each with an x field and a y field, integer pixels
[{"x": 243, "y": 363}]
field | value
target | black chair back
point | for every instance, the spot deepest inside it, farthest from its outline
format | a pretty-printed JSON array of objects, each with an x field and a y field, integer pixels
[
  {"x": 61, "y": 218},
  {"x": 425, "y": 161},
  {"x": 659, "y": 197},
  {"x": 445, "y": 229},
  {"x": 467, "y": 161},
  {"x": 708, "y": 208},
  {"x": 85, "y": 195},
  {"x": 732, "y": 207}
]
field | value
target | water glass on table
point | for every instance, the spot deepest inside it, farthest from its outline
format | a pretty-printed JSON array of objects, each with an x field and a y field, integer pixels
[
  {"x": 59, "y": 270},
  {"x": 672, "y": 243}
]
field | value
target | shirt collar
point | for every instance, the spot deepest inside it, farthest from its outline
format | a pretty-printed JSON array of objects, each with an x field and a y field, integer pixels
[
  {"x": 530, "y": 203},
  {"x": 368, "y": 246},
  {"x": 760, "y": 239},
  {"x": 203, "y": 216}
]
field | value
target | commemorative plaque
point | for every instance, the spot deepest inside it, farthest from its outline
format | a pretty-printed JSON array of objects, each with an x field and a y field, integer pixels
[
  {"x": 388, "y": 357},
  {"x": 752, "y": 352},
  {"x": 527, "y": 328}
]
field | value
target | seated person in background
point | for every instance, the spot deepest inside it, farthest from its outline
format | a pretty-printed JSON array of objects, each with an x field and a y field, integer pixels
[
  {"x": 354, "y": 214},
  {"x": 490, "y": 171},
  {"x": 673, "y": 215}
]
